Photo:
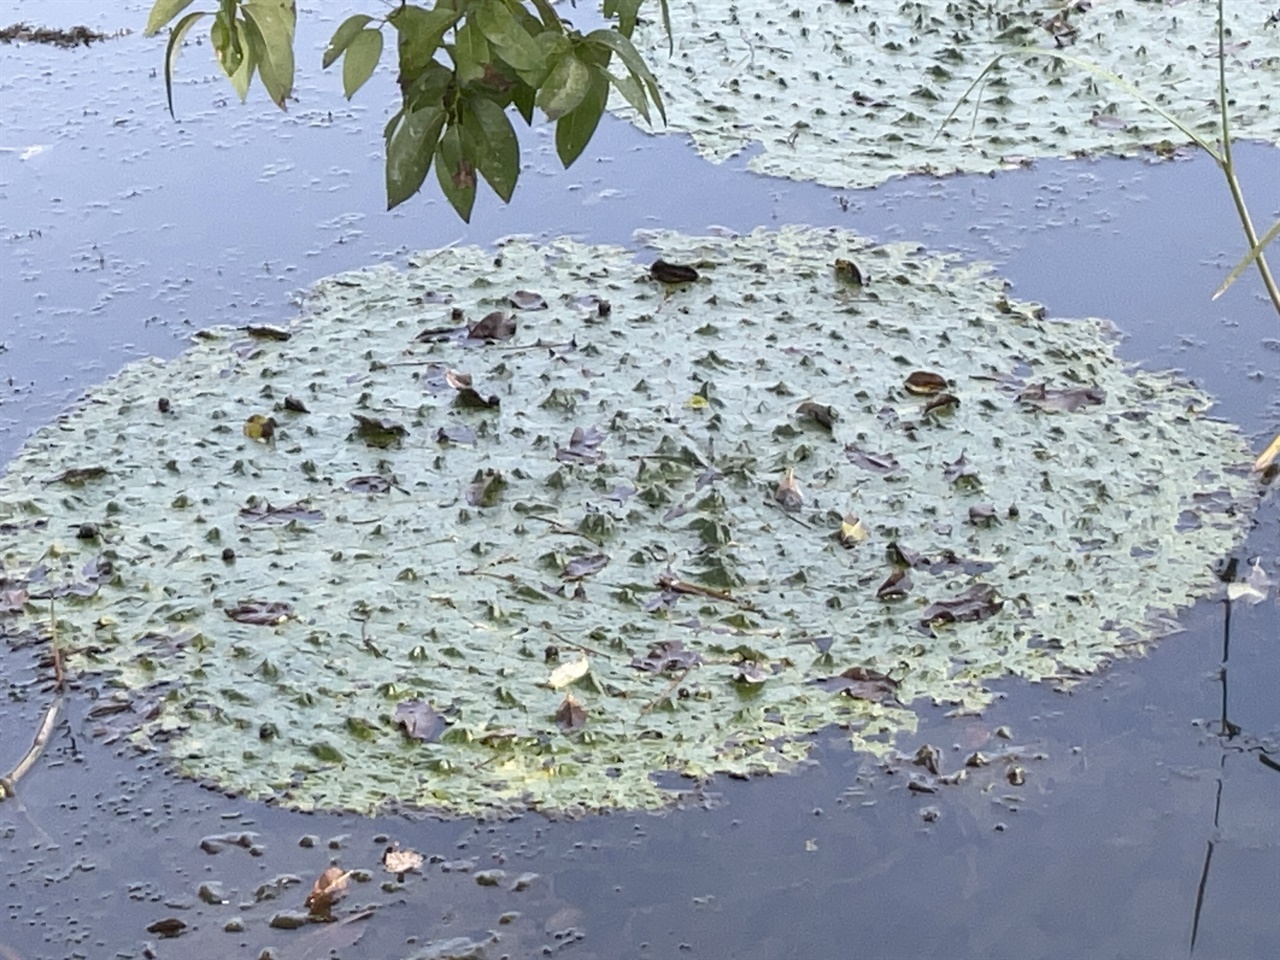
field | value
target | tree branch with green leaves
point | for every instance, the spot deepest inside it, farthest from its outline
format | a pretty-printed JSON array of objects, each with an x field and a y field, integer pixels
[{"x": 463, "y": 65}]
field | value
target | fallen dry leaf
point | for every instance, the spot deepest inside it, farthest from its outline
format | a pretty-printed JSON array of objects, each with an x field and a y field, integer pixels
[
  {"x": 789, "y": 493},
  {"x": 329, "y": 888},
  {"x": 1268, "y": 456},
  {"x": 571, "y": 714},
  {"x": 567, "y": 673},
  {"x": 395, "y": 860}
]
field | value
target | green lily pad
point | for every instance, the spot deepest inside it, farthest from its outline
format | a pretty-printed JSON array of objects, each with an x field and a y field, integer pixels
[
  {"x": 852, "y": 94},
  {"x": 640, "y": 600}
]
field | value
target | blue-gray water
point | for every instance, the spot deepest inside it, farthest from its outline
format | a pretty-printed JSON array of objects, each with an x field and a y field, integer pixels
[{"x": 122, "y": 231}]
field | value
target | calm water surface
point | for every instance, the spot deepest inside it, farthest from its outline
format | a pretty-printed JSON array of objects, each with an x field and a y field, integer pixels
[{"x": 121, "y": 232}]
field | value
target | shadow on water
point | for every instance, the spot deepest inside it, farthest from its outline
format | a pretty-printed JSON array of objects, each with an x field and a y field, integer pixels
[{"x": 1147, "y": 822}]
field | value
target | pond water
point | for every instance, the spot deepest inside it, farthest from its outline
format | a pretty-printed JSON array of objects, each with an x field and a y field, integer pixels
[{"x": 1147, "y": 825}]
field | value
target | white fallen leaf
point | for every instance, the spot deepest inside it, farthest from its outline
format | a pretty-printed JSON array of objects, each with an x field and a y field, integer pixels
[
  {"x": 1253, "y": 588},
  {"x": 566, "y": 673}
]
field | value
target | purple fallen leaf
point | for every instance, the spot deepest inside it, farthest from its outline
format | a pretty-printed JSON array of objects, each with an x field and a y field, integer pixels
[
  {"x": 977, "y": 603},
  {"x": 580, "y": 567},
  {"x": 571, "y": 714},
  {"x": 666, "y": 656},
  {"x": 584, "y": 446},
  {"x": 896, "y": 586},
  {"x": 492, "y": 327},
  {"x": 1066, "y": 400},
  {"x": 420, "y": 720},
  {"x": 527, "y": 300},
  {"x": 262, "y": 613},
  {"x": 870, "y": 460},
  {"x": 861, "y": 683}
]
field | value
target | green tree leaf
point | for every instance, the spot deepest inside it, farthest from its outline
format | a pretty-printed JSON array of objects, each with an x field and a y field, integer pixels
[
  {"x": 575, "y": 129},
  {"x": 470, "y": 53},
  {"x": 162, "y": 11},
  {"x": 361, "y": 59},
  {"x": 497, "y": 148},
  {"x": 342, "y": 37},
  {"x": 269, "y": 25},
  {"x": 226, "y": 39},
  {"x": 430, "y": 88},
  {"x": 171, "y": 52},
  {"x": 523, "y": 96},
  {"x": 243, "y": 76},
  {"x": 565, "y": 87},
  {"x": 420, "y": 35},
  {"x": 631, "y": 58},
  {"x": 411, "y": 144},
  {"x": 632, "y": 92},
  {"x": 455, "y": 170},
  {"x": 513, "y": 42}
]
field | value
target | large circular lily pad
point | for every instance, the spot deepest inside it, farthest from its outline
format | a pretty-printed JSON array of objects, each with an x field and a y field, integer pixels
[
  {"x": 526, "y": 528},
  {"x": 852, "y": 94}
]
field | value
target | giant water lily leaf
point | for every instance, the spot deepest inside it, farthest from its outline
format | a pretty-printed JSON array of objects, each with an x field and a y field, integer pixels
[
  {"x": 318, "y": 633},
  {"x": 853, "y": 94}
]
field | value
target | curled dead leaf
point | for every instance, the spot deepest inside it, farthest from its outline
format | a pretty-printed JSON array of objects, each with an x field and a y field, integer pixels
[
  {"x": 398, "y": 861},
  {"x": 788, "y": 493},
  {"x": 259, "y": 427},
  {"x": 492, "y": 327},
  {"x": 924, "y": 383},
  {"x": 571, "y": 714},
  {"x": 673, "y": 273},
  {"x": 821, "y": 414},
  {"x": 567, "y": 673},
  {"x": 329, "y": 888},
  {"x": 852, "y": 531}
]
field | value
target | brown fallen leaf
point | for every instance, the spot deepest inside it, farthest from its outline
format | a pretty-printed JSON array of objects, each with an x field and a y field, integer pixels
[
  {"x": 819, "y": 413},
  {"x": 571, "y": 714},
  {"x": 492, "y": 327},
  {"x": 977, "y": 603},
  {"x": 527, "y": 300},
  {"x": 329, "y": 888},
  {"x": 262, "y": 613},
  {"x": 896, "y": 586},
  {"x": 788, "y": 493},
  {"x": 925, "y": 383},
  {"x": 665, "y": 272},
  {"x": 379, "y": 431},
  {"x": 861, "y": 683},
  {"x": 580, "y": 567},
  {"x": 847, "y": 272},
  {"x": 486, "y": 488}
]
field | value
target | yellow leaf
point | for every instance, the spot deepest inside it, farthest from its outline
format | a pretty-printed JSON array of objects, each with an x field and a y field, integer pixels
[
  {"x": 697, "y": 402},
  {"x": 1269, "y": 455},
  {"x": 566, "y": 673},
  {"x": 258, "y": 427},
  {"x": 852, "y": 530}
]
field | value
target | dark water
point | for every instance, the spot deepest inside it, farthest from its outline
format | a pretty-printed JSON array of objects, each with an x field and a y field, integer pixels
[{"x": 121, "y": 232}]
